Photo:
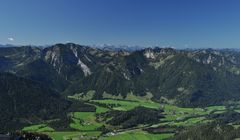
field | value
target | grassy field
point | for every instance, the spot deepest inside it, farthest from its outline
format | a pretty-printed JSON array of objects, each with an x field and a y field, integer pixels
[
  {"x": 85, "y": 124},
  {"x": 74, "y": 135},
  {"x": 100, "y": 109},
  {"x": 137, "y": 135},
  {"x": 81, "y": 96},
  {"x": 84, "y": 121},
  {"x": 124, "y": 105},
  {"x": 173, "y": 113},
  {"x": 132, "y": 135},
  {"x": 38, "y": 128}
]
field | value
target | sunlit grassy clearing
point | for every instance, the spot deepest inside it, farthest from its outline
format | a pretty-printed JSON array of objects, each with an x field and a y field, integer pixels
[
  {"x": 137, "y": 135},
  {"x": 71, "y": 134},
  {"x": 126, "y": 105},
  {"x": 38, "y": 128},
  {"x": 84, "y": 121}
]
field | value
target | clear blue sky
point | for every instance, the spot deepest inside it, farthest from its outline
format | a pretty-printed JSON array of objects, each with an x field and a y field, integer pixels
[{"x": 178, "y": 23}]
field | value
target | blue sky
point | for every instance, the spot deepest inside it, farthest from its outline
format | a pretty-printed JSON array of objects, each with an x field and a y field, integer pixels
[{"x": 176, "y": 23}]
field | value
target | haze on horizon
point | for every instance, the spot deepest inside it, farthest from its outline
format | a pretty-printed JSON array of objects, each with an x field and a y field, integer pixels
[{"x": 177, "y": 23}]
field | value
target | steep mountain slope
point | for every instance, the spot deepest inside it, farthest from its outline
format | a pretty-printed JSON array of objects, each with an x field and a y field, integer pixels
[
  {"x": 25, "y": 101},
  {"x": 184, "y": 77}
]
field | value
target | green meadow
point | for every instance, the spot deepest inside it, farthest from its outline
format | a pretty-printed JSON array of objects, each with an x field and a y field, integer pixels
[
  {"x": 137, "y": 135},
  {"x": 86, "y": 125},
  {"x": 38, "y": 128},
  {"x": 84, "y": 121}
]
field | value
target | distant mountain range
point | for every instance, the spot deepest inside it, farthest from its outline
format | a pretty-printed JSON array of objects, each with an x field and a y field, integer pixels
[
  {"x": 7, "y": 45},
  {"x": 185, "y": 77},
  {"x": 109, "y": 47}
]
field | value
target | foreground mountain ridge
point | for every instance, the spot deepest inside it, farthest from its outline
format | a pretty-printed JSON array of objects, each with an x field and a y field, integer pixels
[
  {"x": 184, "y": 77},
  {"x": 25, "y": 102}
]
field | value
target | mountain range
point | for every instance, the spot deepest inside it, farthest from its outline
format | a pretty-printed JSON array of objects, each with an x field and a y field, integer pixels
[{"x": 200, "y": 77}]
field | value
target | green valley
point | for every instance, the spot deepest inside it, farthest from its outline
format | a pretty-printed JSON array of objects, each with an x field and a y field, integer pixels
[
  {"x": 71, "y": 92},
  {"x": 98, "y": 124}
]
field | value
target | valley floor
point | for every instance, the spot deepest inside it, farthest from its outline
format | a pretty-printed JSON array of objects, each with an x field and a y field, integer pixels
[{"x": 95, "y": 125}]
